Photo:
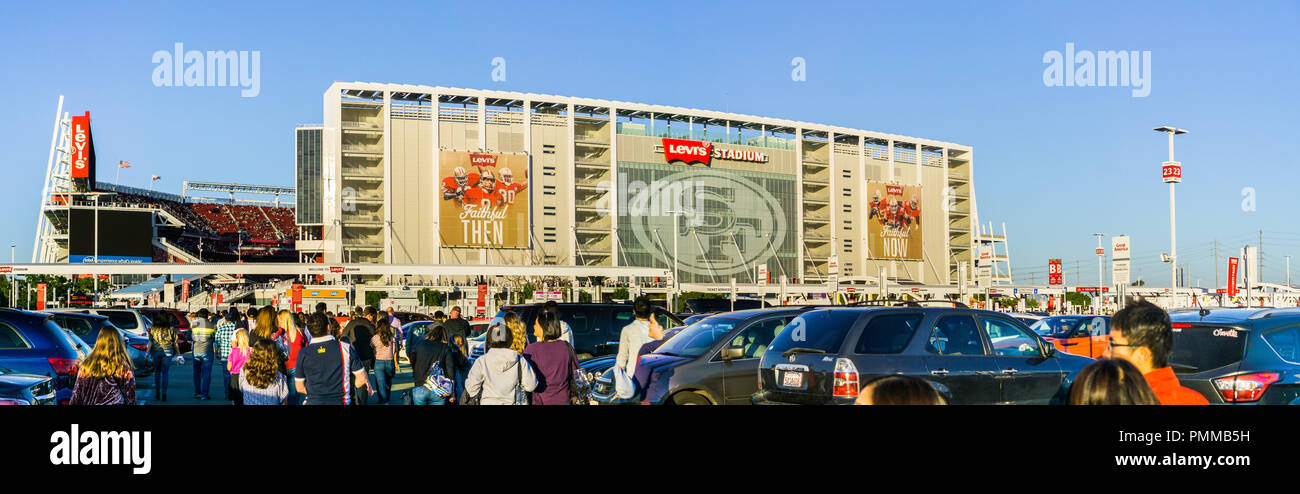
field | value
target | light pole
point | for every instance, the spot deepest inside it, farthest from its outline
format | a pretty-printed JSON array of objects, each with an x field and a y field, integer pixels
[
  {"x": 95, "y": 299},
  {"x": 13, "y": 280},
  {"x": 1171, "y": 178},
  {"x": 1101, "y": 254},
  {"x": 676, "y": 275}
]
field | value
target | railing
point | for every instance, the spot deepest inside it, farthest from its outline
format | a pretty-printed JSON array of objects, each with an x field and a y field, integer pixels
[{"x": 457, "y": 115}]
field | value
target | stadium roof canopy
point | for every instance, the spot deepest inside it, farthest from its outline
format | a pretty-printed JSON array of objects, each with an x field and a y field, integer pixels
[{"x": 140, "y": 290}]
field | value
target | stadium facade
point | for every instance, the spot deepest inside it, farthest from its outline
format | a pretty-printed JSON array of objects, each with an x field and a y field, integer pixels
[{"x": 409, "y": 174}]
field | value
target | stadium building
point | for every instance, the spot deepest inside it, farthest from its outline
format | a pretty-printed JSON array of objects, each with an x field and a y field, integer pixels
[{"x": 407, "y": 174}]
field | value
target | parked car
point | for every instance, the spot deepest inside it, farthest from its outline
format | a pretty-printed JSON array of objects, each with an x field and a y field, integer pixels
[
  {"x": 1239, "y": 356},
  {"x": 31, "y": 343},
  {"x": 596, "y": 367},
  {"x": 25, "y": 389},
  {"x": 1081, "y": 335},
  {"x": 706, "y": 305},
  {"x": 712, "y": 362},
  {"x": 971, "y": 356},
  {"x": 130, "y": 320},
  {"x": 1028, "y": 318},
  {"x": 86, "y": 327},
  {"x": 596, "y": 327}
]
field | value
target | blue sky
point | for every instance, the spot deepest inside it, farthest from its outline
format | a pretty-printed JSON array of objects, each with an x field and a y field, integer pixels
[{"x": 1055, "y": 163}]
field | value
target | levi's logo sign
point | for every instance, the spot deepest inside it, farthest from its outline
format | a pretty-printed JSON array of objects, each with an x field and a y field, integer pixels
[
  {"x": 336, "y": 269},
  {"x": 704, "y": 152},
  {"x": 687, "y": 151},
  {"x": 894, "y": 190},
  {"x": 483, "y": 159}
]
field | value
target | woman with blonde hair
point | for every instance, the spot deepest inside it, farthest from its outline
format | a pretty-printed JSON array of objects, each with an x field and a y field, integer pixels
[
  {"x": 518, "y": 334},
  {"x": 290, "y": 340},
  {"x": 260, "y": 381},
  {"x": 239, "y": 355},
  {"x": 265, "y": 326},
  {"x": 105, "y": 376}
]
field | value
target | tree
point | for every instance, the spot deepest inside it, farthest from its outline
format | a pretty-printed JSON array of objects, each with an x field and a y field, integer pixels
[
  {"x": 1078, "y": 299},
  {"x": 1032, "y": 303},
  {"x": 620, "y": 293},
  {"x": 1138, "y": 283},
  {"x": 373, "y": 298},
  {"x": 1008, "y": 301},
  {"x": 584, "y": 297}
]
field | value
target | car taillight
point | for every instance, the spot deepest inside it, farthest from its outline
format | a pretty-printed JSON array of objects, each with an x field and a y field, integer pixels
[
  {"x": 144, "y": 347},
  {"x": 1246, "y": 387},
  {"x": 1180, "y": 325},
  {"x": 64, "y": 366},
  {"x": 846, "y": 378},
  {"x": 13, "y": 401}
]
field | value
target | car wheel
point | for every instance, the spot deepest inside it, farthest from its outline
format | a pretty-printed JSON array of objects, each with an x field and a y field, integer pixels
[{"x": 690, "y": 398}]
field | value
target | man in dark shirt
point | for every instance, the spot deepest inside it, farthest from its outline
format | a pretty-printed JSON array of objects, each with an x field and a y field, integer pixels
[
  {"x": 328, "y": 369},
  {"x": 358, "y": 333},
  {"x": 456, "y": 325}
]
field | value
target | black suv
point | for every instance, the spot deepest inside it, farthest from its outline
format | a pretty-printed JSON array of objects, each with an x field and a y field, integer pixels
[
  {"x": 1239, "y": 356},
  {"x": 596, "y": 327},
  {"x": 711, "y": 362},
  {"x": 971, "y": 356}
]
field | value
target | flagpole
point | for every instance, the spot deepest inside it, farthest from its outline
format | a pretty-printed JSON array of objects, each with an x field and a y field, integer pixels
[{"x": 118, "y": 181}]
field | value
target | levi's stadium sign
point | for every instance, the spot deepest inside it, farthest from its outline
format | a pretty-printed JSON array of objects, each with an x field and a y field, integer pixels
[{"x": 688, "y": 151}]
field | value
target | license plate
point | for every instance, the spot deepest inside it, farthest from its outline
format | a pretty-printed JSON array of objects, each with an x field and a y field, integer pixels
[{"x": 791, "y": 379}]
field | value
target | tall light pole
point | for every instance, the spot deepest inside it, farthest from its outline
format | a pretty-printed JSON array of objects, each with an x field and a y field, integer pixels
[
  {"x": 677, "y": 213},
  {"x": 1101, "y": 254},
  {"x": 13, "y": 280},
  {"x": 1172, "y": 171}
]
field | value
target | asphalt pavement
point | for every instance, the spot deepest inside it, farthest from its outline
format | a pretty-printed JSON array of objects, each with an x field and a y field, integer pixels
[{"x": 180, "y": 386}]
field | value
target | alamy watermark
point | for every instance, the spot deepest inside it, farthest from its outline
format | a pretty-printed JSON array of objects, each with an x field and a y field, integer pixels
[
  {"x": 195, "y": 68},
  {"x": 1085, "y": 68},
  {"x": 722, "y": 224}
]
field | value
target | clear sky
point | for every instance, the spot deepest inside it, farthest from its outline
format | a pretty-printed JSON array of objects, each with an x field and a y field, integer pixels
[{"x": 1056, "y": 164}]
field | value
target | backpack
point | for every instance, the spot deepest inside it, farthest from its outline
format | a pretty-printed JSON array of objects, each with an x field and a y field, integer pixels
[{"x": 437, "y": 380}]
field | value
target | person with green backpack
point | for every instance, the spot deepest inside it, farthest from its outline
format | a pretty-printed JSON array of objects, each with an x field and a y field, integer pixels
[{"x": 433, "y": 368}]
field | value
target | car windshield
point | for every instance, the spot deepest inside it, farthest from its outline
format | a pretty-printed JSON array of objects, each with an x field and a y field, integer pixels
[
  {"x": 1057, "y": 326},
  {"x": 699, "y": 337},
  {"x": 122, "y": 319}
]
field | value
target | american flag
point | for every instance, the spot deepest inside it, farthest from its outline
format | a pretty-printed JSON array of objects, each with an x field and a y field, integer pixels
[
  {"x": 123, "y": 164},
  {"x": 155, "y": 178}
]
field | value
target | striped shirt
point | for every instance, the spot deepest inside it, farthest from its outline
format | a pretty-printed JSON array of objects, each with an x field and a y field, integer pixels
[{"x": 274, "y": 394}]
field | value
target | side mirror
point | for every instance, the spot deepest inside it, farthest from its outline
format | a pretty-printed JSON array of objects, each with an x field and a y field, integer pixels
[
  {"x": 732, "y": 353},
  {"x": 1049, "y": 350}
]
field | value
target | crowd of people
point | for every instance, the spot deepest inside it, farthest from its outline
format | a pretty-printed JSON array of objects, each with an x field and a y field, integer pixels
[{"x": 270, "y": 357}]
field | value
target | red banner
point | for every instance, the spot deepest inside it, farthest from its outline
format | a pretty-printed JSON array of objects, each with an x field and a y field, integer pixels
[
  {"x": 81, "y": 148},
  {"x": 1232, "y": 276},
  {"x": 1054, "y": 274},
  {"x": 297, "y": 293},
  {"x": 40, "y": 296},
  {"x": 185, "y": 292},
  {"x": 687, "y": 151},
  {"x": 482, "y": 295}
]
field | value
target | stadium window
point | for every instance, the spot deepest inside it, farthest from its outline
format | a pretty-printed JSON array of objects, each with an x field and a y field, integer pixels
[
  {"x": 548, "y": 171},
  {"x": 848, "y": 174}
]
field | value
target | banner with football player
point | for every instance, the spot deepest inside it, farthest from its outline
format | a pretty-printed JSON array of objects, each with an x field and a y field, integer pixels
[
  {"x": 484, "y": 199},
  {"x": 894, "y": 221}
]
